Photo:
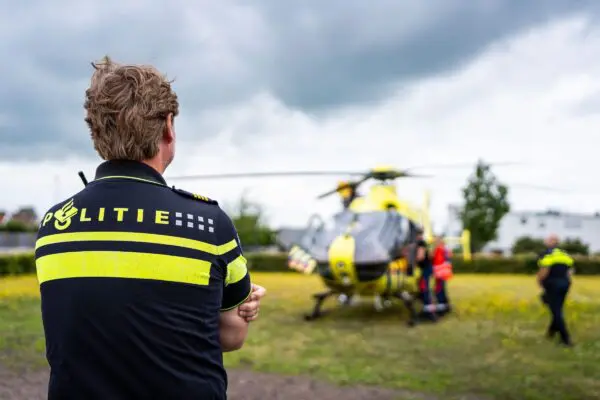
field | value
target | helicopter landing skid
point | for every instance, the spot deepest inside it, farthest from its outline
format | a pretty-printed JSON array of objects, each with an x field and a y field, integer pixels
[{"x": 319, "y": 300}]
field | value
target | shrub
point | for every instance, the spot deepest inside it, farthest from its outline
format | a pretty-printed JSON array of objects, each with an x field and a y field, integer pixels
[
  {"x": 526, "y": 244},
  {"x": 479, "y": 265},
  {"x": 15, "y": 264},
  {"x": 268, "y": 262},
  {"x": 575, "y": 246},
  {"x": 16, "y": 227}
]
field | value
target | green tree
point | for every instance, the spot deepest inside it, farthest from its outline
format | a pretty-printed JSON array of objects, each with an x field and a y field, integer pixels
[
  {"x": 15, "y": 226},
  {"x": 575, "y": 246},
  {"x": 248, "y": 218},
  {"x": 485, "y": 204},
  {"x": 526, "y": 244}
]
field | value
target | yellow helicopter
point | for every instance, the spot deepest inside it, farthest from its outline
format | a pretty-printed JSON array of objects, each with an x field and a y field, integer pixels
[{"x": 362, "y": 252}]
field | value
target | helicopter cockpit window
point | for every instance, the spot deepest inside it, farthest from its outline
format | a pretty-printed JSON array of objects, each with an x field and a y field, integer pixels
[
  {"x": 377, "y": 223},
  {"x": 377, "y": 234},
  {"x": 331, "y": 228},
  {"x": 380, "y": 234},
  {"x": 339, "y": 223},
  {"x": 373, "y": 219}
]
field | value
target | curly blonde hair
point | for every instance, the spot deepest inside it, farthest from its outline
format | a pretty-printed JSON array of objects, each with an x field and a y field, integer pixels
[{"x": 127, "y": 108}]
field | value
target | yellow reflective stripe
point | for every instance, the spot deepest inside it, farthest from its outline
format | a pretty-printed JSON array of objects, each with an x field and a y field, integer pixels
[
  {"x": 130, "y": 177},
  {"x": 227, "y": 247},
  {"x": 341, "y": 259},
  {"x": 556, "y": 257},
  {"x": 118, "y": 264},
  {"x": 561, "y": 257},
  {"x": 545, "y": 261},
  {"x": 236, "y": 270},
  {"x": 136, "y": 237}
]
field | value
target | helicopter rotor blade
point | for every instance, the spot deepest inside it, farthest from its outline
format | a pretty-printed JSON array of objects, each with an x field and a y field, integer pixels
[
  {"x": 460, "y": 180},
  {"x": 538, "y": 187},
  {"x": 266, "y": 174},
  {"x": 329, "y": 193},
  {"x": 405, "y": 174},
  {"x": 464, "y": 165}
]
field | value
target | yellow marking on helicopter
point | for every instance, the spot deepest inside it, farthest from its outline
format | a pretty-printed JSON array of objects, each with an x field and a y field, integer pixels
[
  {"x": 398, "y": 265},
  {"x": 341, "y": 260},
  {"x": 383, "y": 168},
  {"x": 426, "y": 222},
  {"x": 381, "y": 198}
]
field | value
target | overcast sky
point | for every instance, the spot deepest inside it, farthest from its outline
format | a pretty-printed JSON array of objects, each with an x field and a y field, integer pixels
[{"x": 308, "y": 85}]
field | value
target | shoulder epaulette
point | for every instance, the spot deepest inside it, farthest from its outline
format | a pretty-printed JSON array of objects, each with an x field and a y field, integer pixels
[{"x": 194, "y": 196}]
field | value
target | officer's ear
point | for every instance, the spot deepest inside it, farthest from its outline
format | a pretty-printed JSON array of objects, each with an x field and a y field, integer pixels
[{"x": 169, "y": 133}]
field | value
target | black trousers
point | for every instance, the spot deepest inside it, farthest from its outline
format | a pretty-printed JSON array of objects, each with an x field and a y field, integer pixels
[{"x": 555, "y": 294}]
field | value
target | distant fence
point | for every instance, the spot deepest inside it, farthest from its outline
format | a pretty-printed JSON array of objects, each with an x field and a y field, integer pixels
[{"x": 16, "y": 240}]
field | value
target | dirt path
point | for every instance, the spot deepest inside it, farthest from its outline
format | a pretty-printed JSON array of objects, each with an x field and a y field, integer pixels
[
  {"x": 249, "y": 385},
  {"x": 243, "y": 385}
]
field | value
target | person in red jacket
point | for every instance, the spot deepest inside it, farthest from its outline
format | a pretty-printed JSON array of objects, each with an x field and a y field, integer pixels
[{"x": 442, "y": 272}]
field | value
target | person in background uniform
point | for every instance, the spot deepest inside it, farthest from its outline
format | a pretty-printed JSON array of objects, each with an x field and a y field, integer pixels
[
  {"x": 442, "y": 271},
  {"x": 423, "y": 261},
  {"x": 143, "y": 286},
  {"x": 554, "y": 277}
]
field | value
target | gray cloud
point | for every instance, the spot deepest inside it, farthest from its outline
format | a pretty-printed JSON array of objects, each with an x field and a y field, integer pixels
[
  {"x": 589, "y": 106},
  {"x": 311, "y": 54}
]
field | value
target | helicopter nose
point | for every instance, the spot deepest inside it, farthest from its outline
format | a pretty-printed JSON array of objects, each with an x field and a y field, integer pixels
[{"x": 341, "y": 259}]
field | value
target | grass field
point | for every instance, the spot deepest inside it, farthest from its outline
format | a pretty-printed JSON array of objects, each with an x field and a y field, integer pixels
[{"x": 493, "y": 345}]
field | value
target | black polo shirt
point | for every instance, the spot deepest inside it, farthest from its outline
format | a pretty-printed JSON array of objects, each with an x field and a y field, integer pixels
[
  {"x": 133, "y": 276},
  {"x": 559, "y": 263},
  {"x": 425, "y": 264}
]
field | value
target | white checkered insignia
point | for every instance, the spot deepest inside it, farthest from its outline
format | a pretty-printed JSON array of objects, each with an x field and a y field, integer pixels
[{"x": 192, "y": 221}]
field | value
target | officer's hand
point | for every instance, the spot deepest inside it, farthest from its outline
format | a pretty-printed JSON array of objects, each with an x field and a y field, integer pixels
[{"x": 249, "y": 309}]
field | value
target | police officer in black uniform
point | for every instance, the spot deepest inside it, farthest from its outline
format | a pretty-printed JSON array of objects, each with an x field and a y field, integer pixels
[
  {"x": 423, "y": 261},
  {"x": 554, "y": 276},
  {"x": 142, "y": 285}
]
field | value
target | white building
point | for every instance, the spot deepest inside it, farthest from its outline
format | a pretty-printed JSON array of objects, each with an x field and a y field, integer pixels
[{"x": 585, "y": 227}]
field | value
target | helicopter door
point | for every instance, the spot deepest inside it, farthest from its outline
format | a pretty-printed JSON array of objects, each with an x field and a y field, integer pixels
[
  {"x": 412, "y": 249},
  {"x": 315, "y": 226},
  {"x": 322, "y": 235},
  {"x": 412, "y": 232}
]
